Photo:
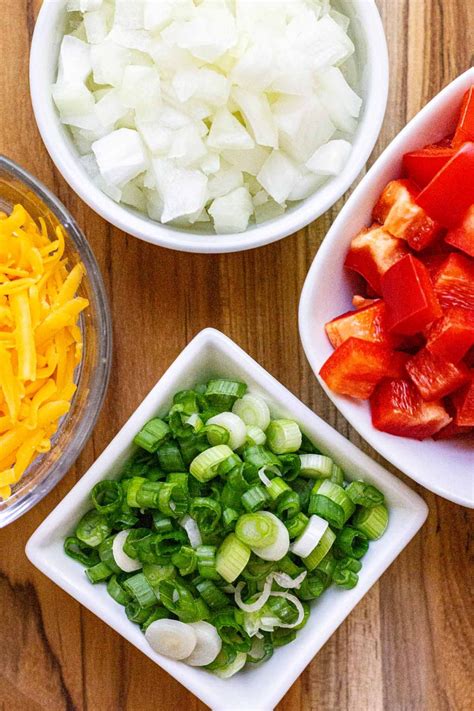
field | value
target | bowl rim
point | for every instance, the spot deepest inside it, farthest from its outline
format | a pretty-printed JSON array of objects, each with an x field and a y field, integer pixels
[
  {"x": 391, "y": 153},
  {"x": 101, "y": 373},
  {"x": 408, "y": 509},
  {"x": 129, "y": 221}
]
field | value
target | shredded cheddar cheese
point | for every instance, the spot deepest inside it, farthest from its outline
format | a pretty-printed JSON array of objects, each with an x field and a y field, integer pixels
[{"x": 40, "y": 340}]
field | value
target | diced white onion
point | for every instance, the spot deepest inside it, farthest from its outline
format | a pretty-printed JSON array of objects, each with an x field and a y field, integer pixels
[
  {"x": 233, "y": 108},
  {"x": 309, "y": 539}
]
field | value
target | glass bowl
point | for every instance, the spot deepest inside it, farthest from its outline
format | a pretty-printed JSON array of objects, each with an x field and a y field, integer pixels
[{"x": 92, "y": 375}]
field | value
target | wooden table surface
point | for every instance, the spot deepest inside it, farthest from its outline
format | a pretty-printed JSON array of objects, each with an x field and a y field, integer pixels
[{"x": 406, "y": 647}]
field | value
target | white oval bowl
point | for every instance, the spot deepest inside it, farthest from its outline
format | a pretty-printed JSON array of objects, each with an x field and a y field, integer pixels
[
  {"x": 444, "y": 467},
  {"x": 372, "y": 50}
]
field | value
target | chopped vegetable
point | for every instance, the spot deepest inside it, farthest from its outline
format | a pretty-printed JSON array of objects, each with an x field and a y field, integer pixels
[
  {"x": 199, "y": 554},
  {"x": 41, "y": 343},
  {"x": 356, "y": 367},
  {"x": 372, "y": 252},
  {"x": 187, "y": 111}
]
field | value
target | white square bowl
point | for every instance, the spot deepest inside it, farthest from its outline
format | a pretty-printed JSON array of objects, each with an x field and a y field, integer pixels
[{"x": 212, "y": 354}]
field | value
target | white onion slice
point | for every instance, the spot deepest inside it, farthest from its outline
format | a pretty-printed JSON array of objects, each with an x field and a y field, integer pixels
[
  {"x": 286, "y": 581},
  {"x": 192, "y": 529}
]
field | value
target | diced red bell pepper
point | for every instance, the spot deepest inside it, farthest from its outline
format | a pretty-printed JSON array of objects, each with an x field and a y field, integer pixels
[
  {"x": 448, "y": 196},
  {"x": 372, "y": 253},
  {"x": 409, "y": 297},
  {"x": 453, "y": 430},
  {"x": 464, "y": 404},
  {"x": 398, "y": 365},
  {"x": 434, "y": 377},
  {"x": 356, "y": 367},
  {"x": 369, "y": 324},
  {"x": 398, "y": 212},
  {"x": 462, "y": 237},
  {"x": 465, "y": 128},
  {"x": 469, "y": 358},
  {"x": 421, "y": 166},
  {"x": 397, "y": 408},
  {"x": 452, "y": 336},
  {"x": 360, "y": 302},
  {"x": 454, "y": 282}
]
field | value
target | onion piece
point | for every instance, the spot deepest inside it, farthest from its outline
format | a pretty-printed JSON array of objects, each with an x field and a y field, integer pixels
[
  {"x": 282, "y": 579},
  {"x": 192, "y": 529},
  {"x": 208, "y": 644},
  {"x": 171, "y": 638}
]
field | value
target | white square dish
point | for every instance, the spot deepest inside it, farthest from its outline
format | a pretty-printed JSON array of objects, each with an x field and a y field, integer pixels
[
  {"x": 444, "y": 466},
  {"x": 209, "y": 354}
]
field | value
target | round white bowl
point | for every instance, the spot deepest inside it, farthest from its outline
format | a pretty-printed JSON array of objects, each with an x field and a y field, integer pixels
[
  {"x": 445, "y": 466},
  {"x": 372, "y": 55}
]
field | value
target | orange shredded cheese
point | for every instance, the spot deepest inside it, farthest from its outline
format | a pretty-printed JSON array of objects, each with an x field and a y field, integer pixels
[{"x": 40, "y": 340}]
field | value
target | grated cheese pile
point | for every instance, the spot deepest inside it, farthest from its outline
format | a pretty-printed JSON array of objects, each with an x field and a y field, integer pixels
[
  {"x": 213, "y": 113},
  {"x": 40, "y": 340}
]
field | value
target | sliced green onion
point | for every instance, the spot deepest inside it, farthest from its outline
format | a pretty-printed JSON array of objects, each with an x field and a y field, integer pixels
[
  {"x": 211, "y": 594},
  {"x": 321, "y": 550},
  {"x": 373, "y": 522},
  {"x": 232, "y": 557},
  {"x": 337, "y": 475},
  {"x": 156, "y": 573},
  {"x": 107, "y": 556},
  {"x": 80, "y": 551},
  {"x": 316, "y": 466},
  {"x": 290, "y": 466},
  {"x": 276, "y": 487},
  {"x": 288, "y": 505},
  {"x": 159, "y": 613},
  {"x": 280, "y": 637},
  {"x": 280, "y": 546},
  {"x": 312, "y": 586},
  {"x": 223, "y": 393},
  {"x": 161, "y": 522},
  {"x": 173, "y": 500},
  {"x": 229, "y": 465},
  {"x": 178, "y": 599},
  {"x": 364, "y": 494},
  {"x": 206, "y": 512},
  {"x": 148, "y": 495},
  {"x": 93, "y": 528},
  {"x": 117, "y": 592},
  {"x": 282, "y": 609},
  {"x": 331, "y": 502},
  {"x": 303, "y": 488},
  {"x": 243, "y": 476},
  {"x": 257, "y": 530},
  {"x": 179, "y": 478},
  {"x": 169, "y": 457},
  {"x": 255, "y": 498},
  {"x": 255, "y": 436},
  {"x": 227, "y": 671},
  {"x": 352, "y": 542},
  {"x": 234, "y": 426},
  {"x": 229, "y": 517},
  {"x": 261, "y": 650},
  {"x": 216, "y": 434},
  {"x": 206, "y": 562},
  {"x": 141, "y": 590},
  {"x": 224, "y": 659},
  {"x": 132, "y": 487},
  {"x": 165, "y": 544},
  {"x": 307, "y": 541},
  {"x": 98, "y": 573},
  {"x": 185, "y": 560},
  {"x": 345, "y": 573},
  {"x": 283, "y": 436},
  {"x": 152, "y": 435},
  {"x": 204, "y": 467},
  {"x": 190, "y": 401},
  {"x": 296, "y": 525},
  {"x": 136, "y": 613},
  {"x": 107, "y": 496},
  {"x": 258, "y": 569},
  {"x": 260, "y": 457},
  {"x": 230, "y": 631},
  {"x": 253, "y": 410},
  {"x": 132, "y": 538}
]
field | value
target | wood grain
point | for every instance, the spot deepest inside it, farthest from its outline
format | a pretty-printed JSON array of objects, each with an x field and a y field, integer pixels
[{"x": 408, "y": 645}]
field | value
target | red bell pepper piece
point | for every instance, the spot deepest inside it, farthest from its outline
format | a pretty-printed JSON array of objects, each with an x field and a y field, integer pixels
[
  {"x": 465, "y": 128},
  {"x": 369, "y": 324},
  {"x": 421, "y": 166},
  {"x": 398, "y": 363},
  {"x": 372, "y": 253},
  {"x": 453, "y": 335},
  {"x": 449, "y": 195},
  {"x": 409, "y": 297},
  {"x": 356, "y": 367},
  {"x": 462, "y": 237},
  {"x": 454, "y": 282},
  {"x": 400, "y": 215},
  {"x": 464, "y": 404},
  {"x": 397, "y": 408},
  {"x": 453, "y": 430},
  {"x": 434, "y": 377}
]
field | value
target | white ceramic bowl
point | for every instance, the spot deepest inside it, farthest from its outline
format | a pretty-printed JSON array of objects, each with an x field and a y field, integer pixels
[
  {"x": 444, "y": 467},
  {"x": 212, "y": 354},
  {"x": 373, "y": 61}
]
